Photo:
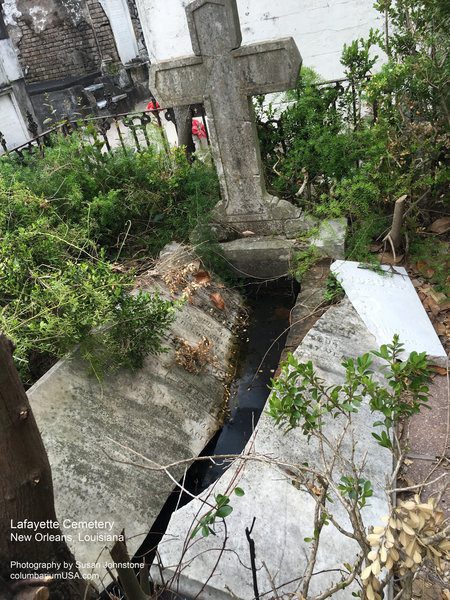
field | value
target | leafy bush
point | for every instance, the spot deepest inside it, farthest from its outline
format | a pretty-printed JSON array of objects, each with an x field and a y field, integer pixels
[
  {"x": 299, "y": 397},
  {"x": 146, "y": 198},
  {"x": 58, "y": 286},
  {"x": 135, "y": 329},
  {"x": 354, "y": 147},
  {"x": 309, "y": 138}
]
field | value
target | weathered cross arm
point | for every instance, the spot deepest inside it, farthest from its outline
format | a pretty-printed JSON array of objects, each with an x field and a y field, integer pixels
[
  {"x": 268, "y": 66},
  {"x": 179, "y": 82}
]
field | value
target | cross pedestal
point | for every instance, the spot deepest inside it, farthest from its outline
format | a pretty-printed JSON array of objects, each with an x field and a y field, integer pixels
[{"x": 223, "y": 75}]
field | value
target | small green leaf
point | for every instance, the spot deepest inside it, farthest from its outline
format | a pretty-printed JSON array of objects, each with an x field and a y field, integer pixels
[
  {"x": 239, "y": 491},
  {"x": 224, "y": 511},
  {"x": 205, "y": 531}
]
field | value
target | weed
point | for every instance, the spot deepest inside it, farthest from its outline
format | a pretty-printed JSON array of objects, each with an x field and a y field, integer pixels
[{"x": 333, "y": 290}]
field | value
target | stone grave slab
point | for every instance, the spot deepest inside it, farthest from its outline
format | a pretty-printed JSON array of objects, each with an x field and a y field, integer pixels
[
  {"x": 389, "y": 304},
  {"x": 284, "y": 514},
  {"x": 330, "y": 237},
  {"x": 161, "y": 411}
]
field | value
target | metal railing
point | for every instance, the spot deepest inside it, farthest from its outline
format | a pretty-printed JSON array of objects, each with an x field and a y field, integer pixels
[
  {"x": 130, "y": 130},
  {"x": 122, "y": 130}
]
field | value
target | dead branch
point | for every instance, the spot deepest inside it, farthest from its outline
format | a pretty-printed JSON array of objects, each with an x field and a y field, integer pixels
[
  {"x": 416, "y": 487},
  {"x": 394, "y": 237},
  {"x": 318, "y": 525},
  {"x": 262, "y": 458},
  {"x": 304, "y": 184},
  {"x": 251, "y": 545},
  {"x": 271, "y": 581},
  {"x": 341, "y": 585}
]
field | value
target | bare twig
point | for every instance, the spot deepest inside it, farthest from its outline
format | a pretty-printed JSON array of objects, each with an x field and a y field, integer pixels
[
  {"x": 251, "y": 545},
  {"x": 318, "y": 525},
  {"x": 341, "y": 585},
  {"x": 417, "y": 486},
  {"x": 271, "y": 581}
]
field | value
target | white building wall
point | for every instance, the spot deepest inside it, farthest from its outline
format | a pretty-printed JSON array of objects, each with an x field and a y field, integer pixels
[
  {"x": 9, "y": 65},
  {"x": 320, "y": 27},
  {"x": 12, "y": 123},
  {"x": 118, "y": 14}
]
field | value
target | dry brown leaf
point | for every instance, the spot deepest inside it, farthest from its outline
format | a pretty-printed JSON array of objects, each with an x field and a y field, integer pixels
[
  {"x": 218, "y": 301},
  {"x": 440, "y": 329},
  {"x": 440, "y": 226},
  {"x": 202, "y": 277},
  {"x": 433, "y": 306},
  {"x": 424, "y": 269},
  {"x": 193, "y": 358},
  {"x": 388, "y": 259},
  {"x": 438, "y": 370},
  {"x": 439, "y": 297}
]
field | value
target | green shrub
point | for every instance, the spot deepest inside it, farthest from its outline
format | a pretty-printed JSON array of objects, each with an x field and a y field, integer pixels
[
  {"x": 353, "y": 148},
  {"x": 57, "y": 290},
  {"x": 146, "y": 198},
  {"x": 58, "y": 287},
  {"x": 300, "y": 398}
]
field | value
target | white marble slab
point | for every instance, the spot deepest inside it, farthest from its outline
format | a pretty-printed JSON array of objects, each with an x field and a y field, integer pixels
[{"x": 389, "y": 304}]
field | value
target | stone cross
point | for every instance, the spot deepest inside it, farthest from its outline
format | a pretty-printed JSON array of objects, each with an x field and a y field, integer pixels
[{"x": 223, "y": 75}]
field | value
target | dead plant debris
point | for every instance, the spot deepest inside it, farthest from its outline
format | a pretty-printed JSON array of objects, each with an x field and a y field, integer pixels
[{"x": 193, "y": 358}]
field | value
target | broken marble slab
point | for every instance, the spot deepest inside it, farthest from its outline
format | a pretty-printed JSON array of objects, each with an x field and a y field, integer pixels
[
  {"x": 388, "y": 304},
  {"x": 161, "y": 411},
  {"x": 283, "y": 514}
]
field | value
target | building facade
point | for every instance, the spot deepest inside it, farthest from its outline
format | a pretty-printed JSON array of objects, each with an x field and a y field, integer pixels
[{"x": 67, "y": 48}]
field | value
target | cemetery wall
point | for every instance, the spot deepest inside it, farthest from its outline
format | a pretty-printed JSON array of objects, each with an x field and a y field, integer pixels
[
  {"x": 60, "y": 39},
  {"x": 9, "y": 65},
  {"x": 320, "y": 27},
  {"x": 65, "y": 45}
]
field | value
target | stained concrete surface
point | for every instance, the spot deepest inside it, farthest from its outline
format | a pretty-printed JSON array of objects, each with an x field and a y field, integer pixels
[
  {"x": 388, "y": 304},
  {"x": 161, "y": 411},
  {"x": 284, "y": 514}
]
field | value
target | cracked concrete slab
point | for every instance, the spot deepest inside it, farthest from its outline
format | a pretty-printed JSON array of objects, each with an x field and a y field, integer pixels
[
  {"x": 160, "y": 411},
  {"x": 284, "y": 514}
]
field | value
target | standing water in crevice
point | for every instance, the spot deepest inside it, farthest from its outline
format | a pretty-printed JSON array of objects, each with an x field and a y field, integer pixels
[{"x": 261, "y": 343}]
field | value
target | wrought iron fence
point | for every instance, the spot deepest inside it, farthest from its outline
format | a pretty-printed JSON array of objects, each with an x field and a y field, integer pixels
[
  {"x": 130, "y": 130},
  {"x": 122, "y": 130}
]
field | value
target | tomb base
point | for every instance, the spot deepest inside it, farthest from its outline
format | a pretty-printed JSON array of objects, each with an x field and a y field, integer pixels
[
  {"x": 260, "y": 257},
  {"x": 275, "y": 217},
  {"x": 261, "y": 244},
  {"x": 273, "y": 256}
]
